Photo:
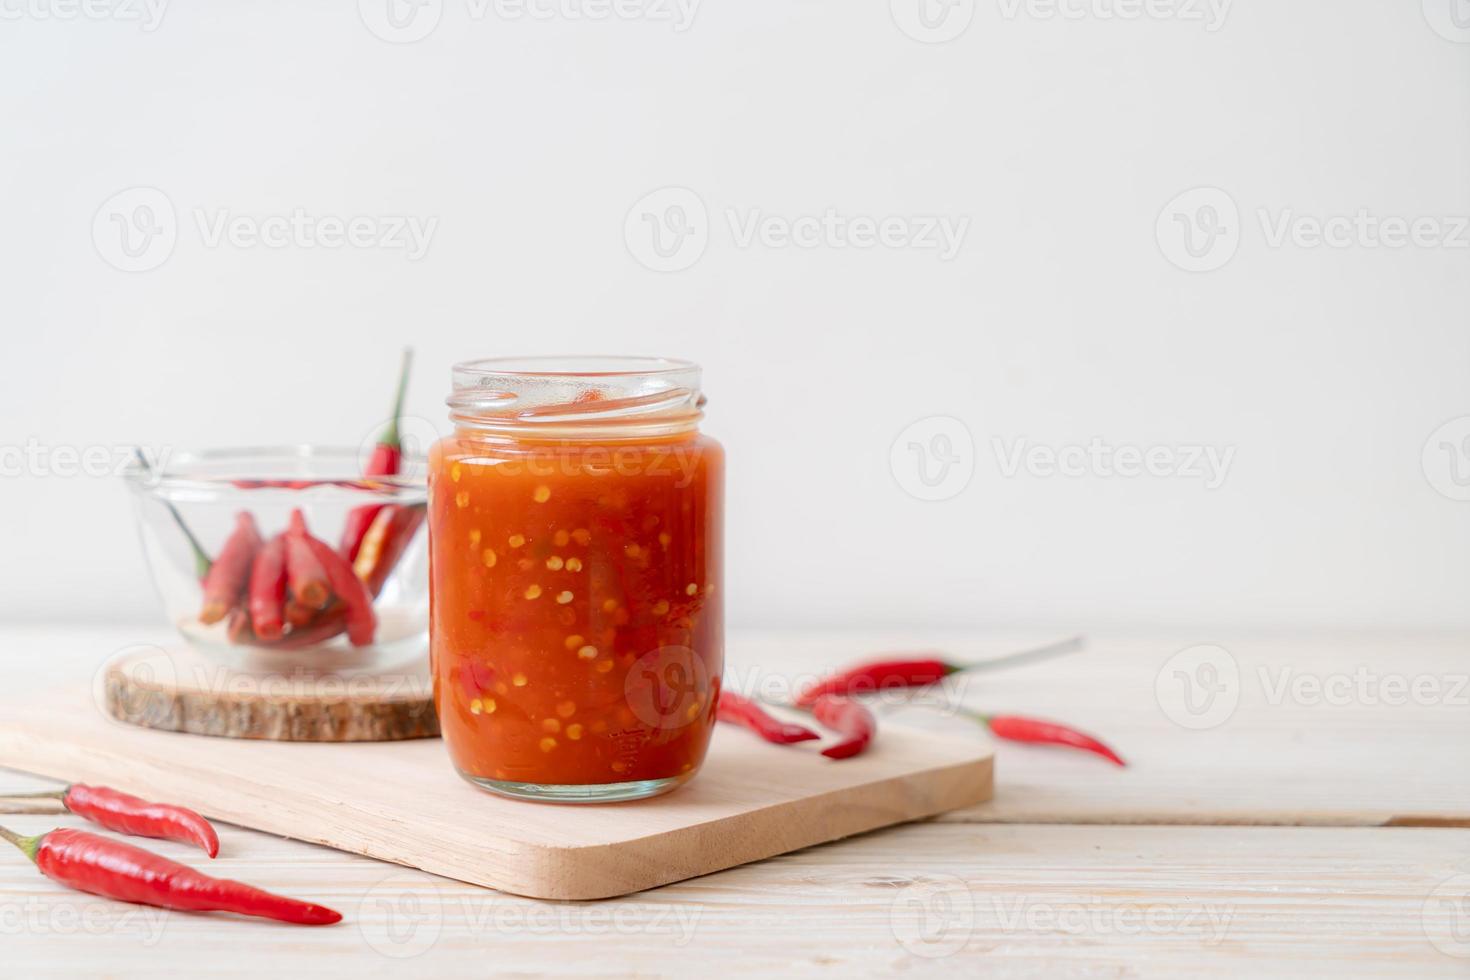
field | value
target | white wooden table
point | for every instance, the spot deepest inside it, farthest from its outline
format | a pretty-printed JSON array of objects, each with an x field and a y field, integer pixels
[{"x": 1314, "y": 816}]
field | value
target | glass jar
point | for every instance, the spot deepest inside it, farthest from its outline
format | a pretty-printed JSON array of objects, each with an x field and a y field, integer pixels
[{"x": 576, "y": 520}]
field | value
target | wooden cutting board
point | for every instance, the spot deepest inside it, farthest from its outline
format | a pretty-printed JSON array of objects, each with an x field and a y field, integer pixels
[{"x": 402, "y": 802}]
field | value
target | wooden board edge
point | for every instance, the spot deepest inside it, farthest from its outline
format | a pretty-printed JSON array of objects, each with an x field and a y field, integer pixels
[
  {"x": 585, "y": 872},
  {"x": 270, "y": 717},
  {"x": 561, "y": 873}
]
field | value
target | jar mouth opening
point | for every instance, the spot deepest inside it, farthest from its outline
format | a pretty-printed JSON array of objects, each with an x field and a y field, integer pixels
[
  {"x": 572, "y": 366},
  {"x": 578, "y": 395}
]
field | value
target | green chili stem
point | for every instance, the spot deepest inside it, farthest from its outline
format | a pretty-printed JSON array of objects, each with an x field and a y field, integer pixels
[
  {"x": 202, "y": 561},
  {"x": 28, "y": 845},
  {"x": 1069, "y": 645},
  {"x": 391, "y": 436}
]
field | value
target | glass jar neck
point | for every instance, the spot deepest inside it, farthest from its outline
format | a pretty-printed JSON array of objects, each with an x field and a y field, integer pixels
[{"x": 581, "y": 399}]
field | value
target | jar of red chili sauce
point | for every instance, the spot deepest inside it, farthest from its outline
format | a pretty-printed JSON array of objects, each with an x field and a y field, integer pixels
[{"x": 576, "y": 539}]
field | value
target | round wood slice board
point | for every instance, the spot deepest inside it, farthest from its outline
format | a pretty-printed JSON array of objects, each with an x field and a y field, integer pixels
[{"x": 181, "y": 690}]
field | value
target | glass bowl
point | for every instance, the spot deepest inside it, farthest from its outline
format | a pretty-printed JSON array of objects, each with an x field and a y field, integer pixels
[{"x": 191, "y": 503}]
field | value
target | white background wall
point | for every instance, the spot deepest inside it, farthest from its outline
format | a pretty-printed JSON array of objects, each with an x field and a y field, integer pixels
[{"x": 1062, "y": 317}]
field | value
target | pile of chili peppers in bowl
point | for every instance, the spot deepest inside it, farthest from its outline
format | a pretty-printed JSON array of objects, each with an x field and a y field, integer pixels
[{"x": 293, "y": 558}]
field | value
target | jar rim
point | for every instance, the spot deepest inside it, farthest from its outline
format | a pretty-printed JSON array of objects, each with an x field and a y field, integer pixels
[
  {"x": 577, "y": 396},
  {"x": 573, "y": 366}
]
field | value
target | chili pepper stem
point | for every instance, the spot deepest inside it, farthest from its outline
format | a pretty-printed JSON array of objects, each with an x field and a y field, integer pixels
[
  {"x": 48, "y": 794},
  {"x": 202, "y": 561},
  {"x": 1069, "y": 645},
  {"x": 391, "y": 435},
  {"x": 28, "y": 845}
]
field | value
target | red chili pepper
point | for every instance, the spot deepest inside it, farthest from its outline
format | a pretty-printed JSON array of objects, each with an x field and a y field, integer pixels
[
  {"x": 848, "y": 718},
  {"x": 95, "y": 864},
  {"x": 386, "y": 458},
  {"x": 1014, "y": 728},
  {"x": 299, "y": 613},
  {"x": 225, "y": 581},
  {"x": 276, "y": 484},
  {"x": 326, "y": 625},
  {"x": 738, "y": 710},
  {"x": 918, "y": 670},
  {"x": 130, "y": 815},
  {"x": 304, "y": 571},
  {"x": 268, "y": 590},
  {"x": 238, "y": 630},
  {"x": 362, "y": 622},
  {"x": 879, "y": 675},
  {"x": 385, "y": 543}
]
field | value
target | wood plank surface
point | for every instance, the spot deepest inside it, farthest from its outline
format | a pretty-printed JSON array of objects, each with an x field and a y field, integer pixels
[
  {"x": 953, "y": 900},
  {"x": 1337, "y": 730},
  {"x": 965, "y": 896}
]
